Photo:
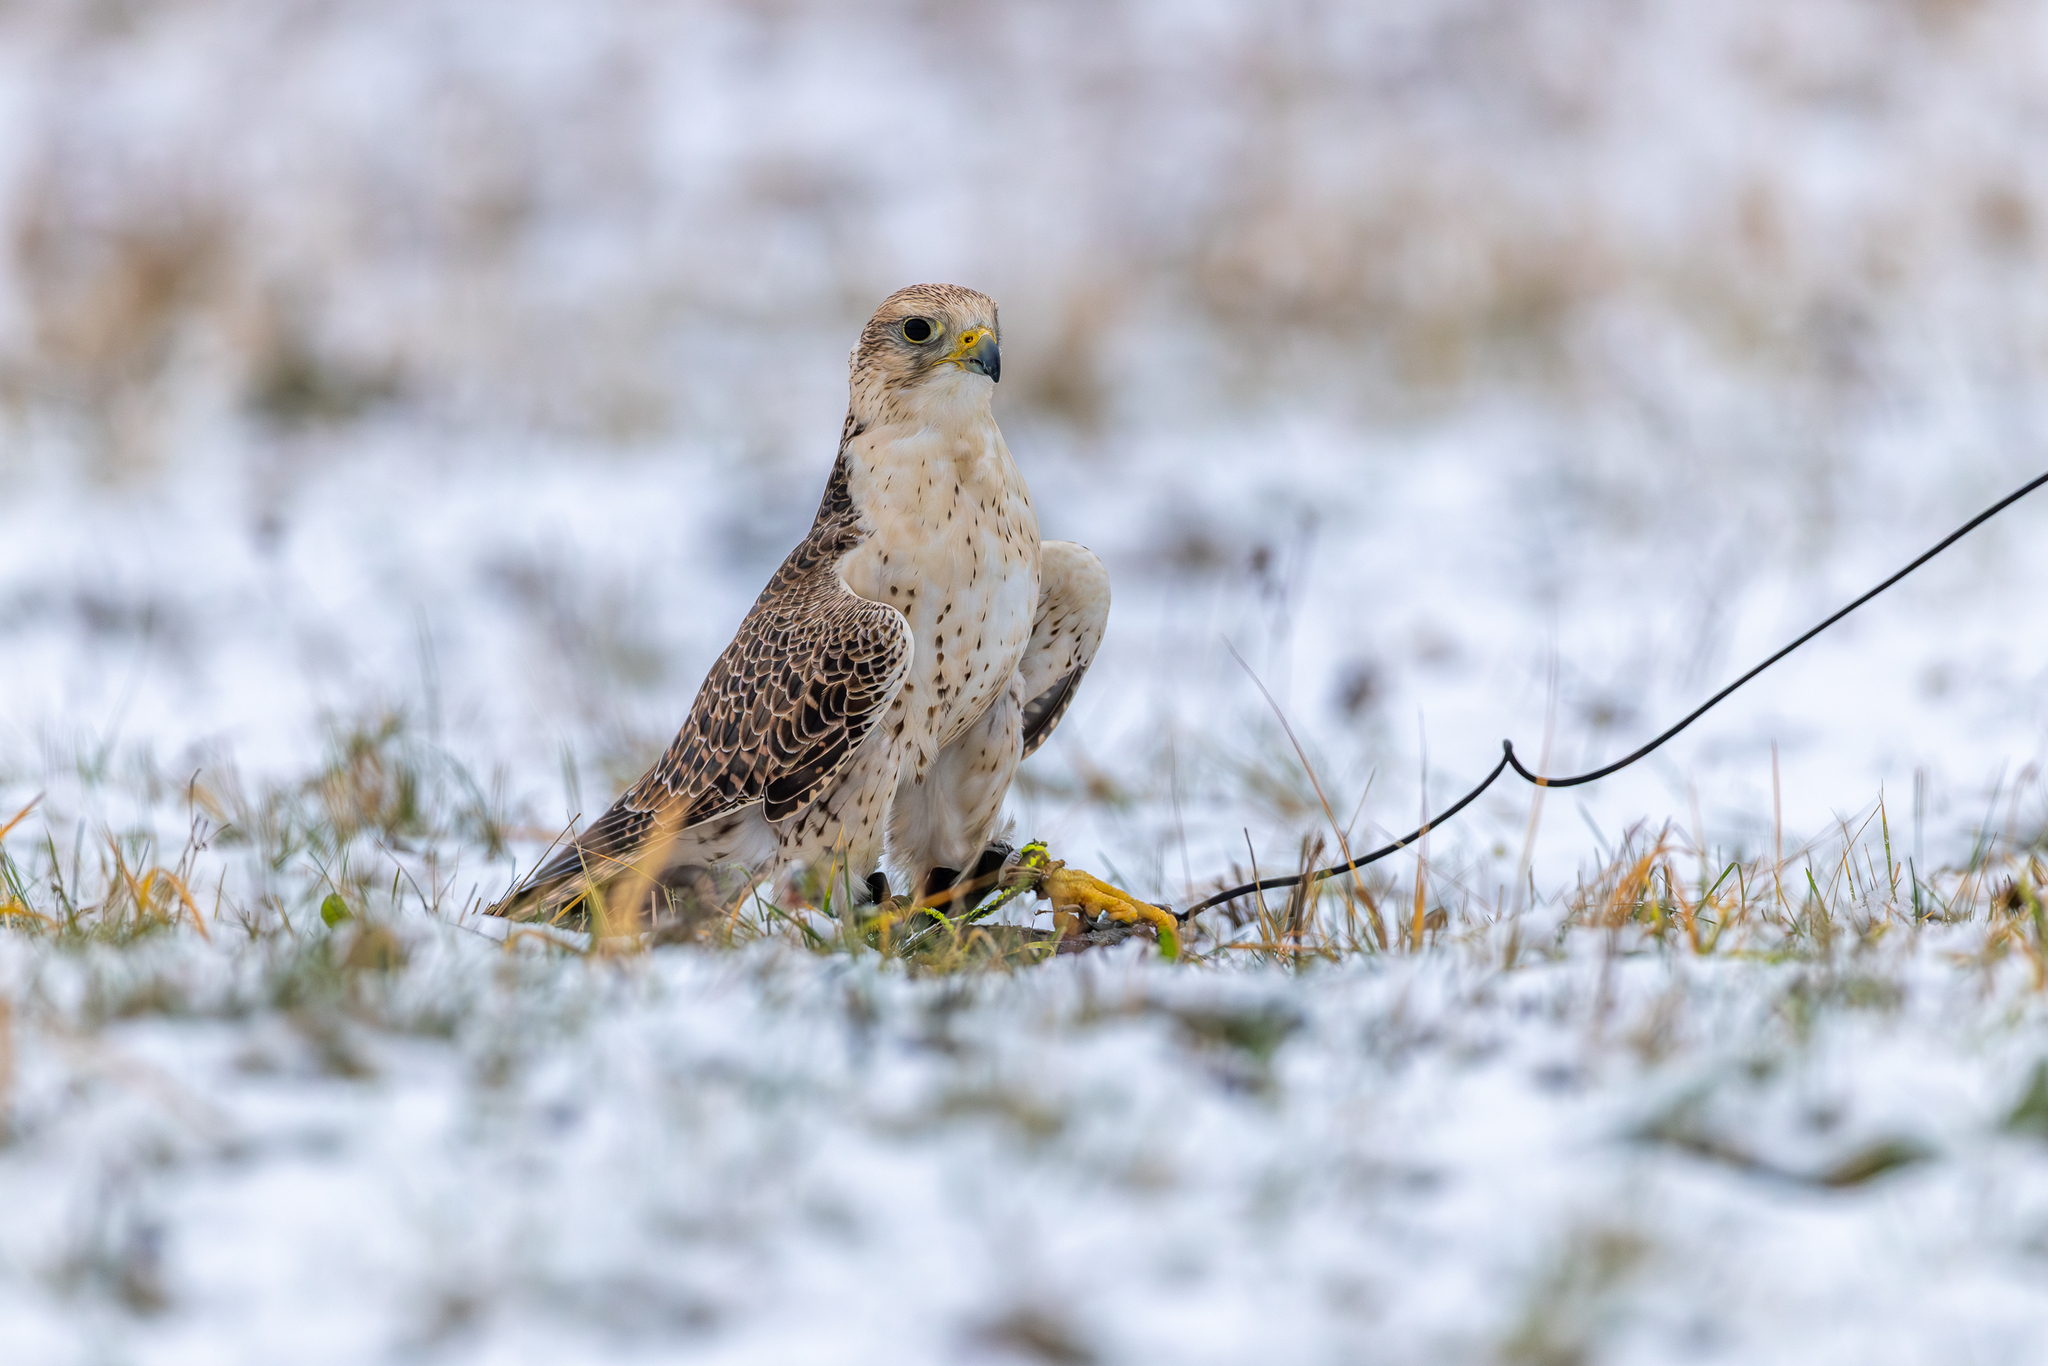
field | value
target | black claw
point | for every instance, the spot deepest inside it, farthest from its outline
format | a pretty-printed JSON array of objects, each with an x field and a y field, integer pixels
[
  {"x": 991, "y": 862},
  {"x": 878, "y": 887}
]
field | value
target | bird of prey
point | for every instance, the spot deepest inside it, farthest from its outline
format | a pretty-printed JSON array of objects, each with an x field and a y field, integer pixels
[{"x": 912, "y": 649}]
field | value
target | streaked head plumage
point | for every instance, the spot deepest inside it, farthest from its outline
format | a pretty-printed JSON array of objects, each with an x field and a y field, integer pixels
[{"x": 924, "y": 337}]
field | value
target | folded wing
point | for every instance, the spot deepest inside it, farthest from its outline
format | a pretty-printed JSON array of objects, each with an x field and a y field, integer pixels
[{"x": 813, "y": 669}]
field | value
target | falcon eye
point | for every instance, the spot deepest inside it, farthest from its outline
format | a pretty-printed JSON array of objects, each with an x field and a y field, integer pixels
[{"x": 919, "y": 329}]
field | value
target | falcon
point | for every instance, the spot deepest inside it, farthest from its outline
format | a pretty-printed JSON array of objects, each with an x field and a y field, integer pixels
[{"x": 916, "y": 646}]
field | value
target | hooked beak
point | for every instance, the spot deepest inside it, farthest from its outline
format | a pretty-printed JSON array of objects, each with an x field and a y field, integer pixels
[{"x": 977, "y": 351}]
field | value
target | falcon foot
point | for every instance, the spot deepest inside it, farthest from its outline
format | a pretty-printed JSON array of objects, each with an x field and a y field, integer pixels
[
  {"x": 1077, "y": 896},
  {"x": 1079, "y": 900},
  {"x": 950, "y": 901}
]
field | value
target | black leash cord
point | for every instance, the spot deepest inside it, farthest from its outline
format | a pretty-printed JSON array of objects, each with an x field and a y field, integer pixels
[{"x": 1508, "y": 759}]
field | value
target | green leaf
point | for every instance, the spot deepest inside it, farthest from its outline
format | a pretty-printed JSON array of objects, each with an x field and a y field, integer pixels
[{"x": 334, "y": 910}]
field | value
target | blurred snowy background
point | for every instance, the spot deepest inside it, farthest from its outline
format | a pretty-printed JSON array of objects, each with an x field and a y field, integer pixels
[
  {"x": 1465, "y": 364},
  {"x": 1475, "y": 368}
]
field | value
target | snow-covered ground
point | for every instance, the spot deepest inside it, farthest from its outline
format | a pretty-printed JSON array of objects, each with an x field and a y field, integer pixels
[
  {"x": 760, "y": 1158},
  {"x": 1472, "y": 369}
]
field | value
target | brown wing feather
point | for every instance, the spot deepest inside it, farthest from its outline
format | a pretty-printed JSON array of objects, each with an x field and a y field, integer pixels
[
  {"x": 783, "y": 709},
  {"x": 812, "y": 669}
]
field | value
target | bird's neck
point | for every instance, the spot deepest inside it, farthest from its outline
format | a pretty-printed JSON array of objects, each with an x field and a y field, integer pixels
[
  {"x": 939, "y": 425},
  {"x": 911, "y": 459}
]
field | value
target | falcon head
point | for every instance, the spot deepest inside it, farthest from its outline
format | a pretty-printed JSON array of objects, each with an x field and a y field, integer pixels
[{"x": 927, "y": 343}]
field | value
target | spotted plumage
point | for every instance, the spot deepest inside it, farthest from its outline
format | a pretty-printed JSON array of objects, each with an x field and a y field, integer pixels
[{"x": 906, "y": 656}]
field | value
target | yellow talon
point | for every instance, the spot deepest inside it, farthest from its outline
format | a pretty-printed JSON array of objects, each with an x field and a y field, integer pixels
[{"x": 1071, "y": 890}]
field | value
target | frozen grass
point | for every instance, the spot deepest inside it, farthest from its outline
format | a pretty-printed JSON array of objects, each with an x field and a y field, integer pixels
[{"x": 389, "y": 823}]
